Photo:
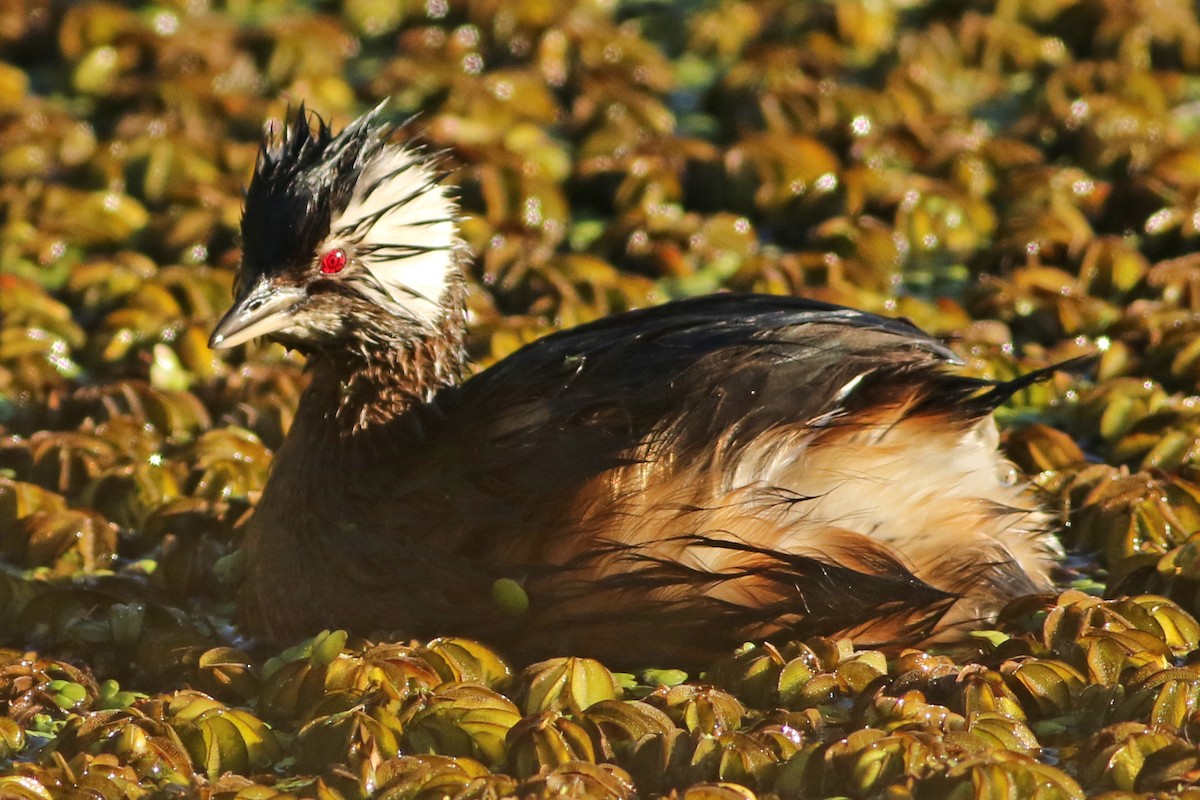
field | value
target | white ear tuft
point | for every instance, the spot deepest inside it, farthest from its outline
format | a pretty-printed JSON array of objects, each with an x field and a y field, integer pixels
[{"x": 400, "y": 225}]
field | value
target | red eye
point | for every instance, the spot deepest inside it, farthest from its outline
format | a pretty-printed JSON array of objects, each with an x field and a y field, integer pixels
[{"x": 333, "y": 262}]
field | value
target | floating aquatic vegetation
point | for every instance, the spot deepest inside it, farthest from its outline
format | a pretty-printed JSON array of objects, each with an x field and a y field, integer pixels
[{"x": 1023, "y": 179}]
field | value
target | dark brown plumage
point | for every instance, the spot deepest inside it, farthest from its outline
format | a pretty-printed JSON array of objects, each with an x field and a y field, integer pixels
[{"x": 665, "y": 483}]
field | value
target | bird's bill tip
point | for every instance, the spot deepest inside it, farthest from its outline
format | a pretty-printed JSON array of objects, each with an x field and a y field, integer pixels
[{"x": 267, "y": 308}]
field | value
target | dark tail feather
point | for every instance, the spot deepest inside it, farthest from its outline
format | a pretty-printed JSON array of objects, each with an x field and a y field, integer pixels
[
  {"x": 974, "y": 398},
  {"x": 1001, "y": 392}
]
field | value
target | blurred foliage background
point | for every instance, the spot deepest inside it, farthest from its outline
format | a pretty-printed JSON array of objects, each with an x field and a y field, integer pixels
[{"x": 1020, "y": 176}]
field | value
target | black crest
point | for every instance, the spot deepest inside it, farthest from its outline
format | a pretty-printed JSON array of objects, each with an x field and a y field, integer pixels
[{"x": 302, "y": 179}]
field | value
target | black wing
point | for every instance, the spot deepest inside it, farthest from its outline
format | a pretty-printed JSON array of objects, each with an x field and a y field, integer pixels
[{"x": 727, "y": 365}]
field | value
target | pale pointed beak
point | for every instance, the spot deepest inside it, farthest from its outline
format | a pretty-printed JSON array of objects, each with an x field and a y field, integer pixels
[{"x": 265, "y": 309}]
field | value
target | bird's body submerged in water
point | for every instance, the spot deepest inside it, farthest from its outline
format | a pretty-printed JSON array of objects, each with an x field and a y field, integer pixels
[{"x": 665, "y": 483}]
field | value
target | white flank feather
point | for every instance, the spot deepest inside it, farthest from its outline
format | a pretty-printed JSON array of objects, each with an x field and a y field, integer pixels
[{"x": 399, "y": 226}]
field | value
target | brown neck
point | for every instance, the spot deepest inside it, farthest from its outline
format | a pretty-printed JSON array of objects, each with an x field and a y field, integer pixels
[{"x": 388, "y": 377}]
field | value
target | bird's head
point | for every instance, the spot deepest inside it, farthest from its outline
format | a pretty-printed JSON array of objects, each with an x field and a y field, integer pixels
[{"x": 348, "y": 241}]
